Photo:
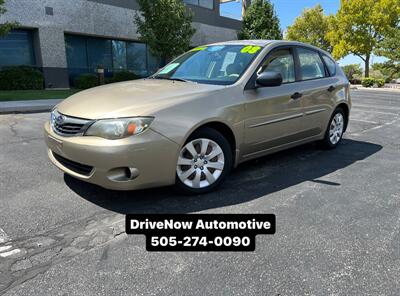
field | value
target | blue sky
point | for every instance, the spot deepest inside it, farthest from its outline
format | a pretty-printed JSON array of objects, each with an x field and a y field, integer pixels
[{"x": 288, "y": 10}]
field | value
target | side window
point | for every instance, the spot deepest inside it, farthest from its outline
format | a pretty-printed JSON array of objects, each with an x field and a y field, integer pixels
[
  {"x": 311, "y": 66},
  {"x": 280, "y": 61},
  {"x": 330, "y": 64}
]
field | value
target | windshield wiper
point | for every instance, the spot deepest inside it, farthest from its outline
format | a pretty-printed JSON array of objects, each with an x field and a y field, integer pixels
[
  {"x": 173, "y": 79},
  {"x": 179, "y": 79}
]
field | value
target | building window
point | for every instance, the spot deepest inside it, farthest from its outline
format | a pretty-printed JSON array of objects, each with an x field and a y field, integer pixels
[
  {"x": 153, "y": 63},
  {"x": 85, "y": 54},
  {"x": 99, "y": 53},
  {"x": 76, "y": 52},
  {"x": 203, "y": 3},
  {"x": 16, "y": 48},
  {"x": 119, "y": 55},
  {"x": 136, "y": 58}
]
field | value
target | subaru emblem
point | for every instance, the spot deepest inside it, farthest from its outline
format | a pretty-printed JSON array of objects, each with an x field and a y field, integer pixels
[{"x": 60, "y": 119}]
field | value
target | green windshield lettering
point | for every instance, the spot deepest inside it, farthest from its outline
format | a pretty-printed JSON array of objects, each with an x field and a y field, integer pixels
[
  {"x": 199, "y": 48},
  {"x": 250, "y": 49}
]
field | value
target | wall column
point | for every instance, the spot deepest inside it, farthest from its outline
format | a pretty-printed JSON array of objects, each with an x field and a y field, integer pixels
[{"x": 54, "y": 57}]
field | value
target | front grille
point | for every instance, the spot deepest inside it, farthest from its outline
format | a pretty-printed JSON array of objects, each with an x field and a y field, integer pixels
[
  {"x": 68, "y": 126},
  {"x": 76, "y": 167}
]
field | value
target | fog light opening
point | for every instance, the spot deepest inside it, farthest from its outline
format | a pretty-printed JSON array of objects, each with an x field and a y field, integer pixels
[
  {"x": 123, "y": 174},
  {"x": 131, "y": 173}
]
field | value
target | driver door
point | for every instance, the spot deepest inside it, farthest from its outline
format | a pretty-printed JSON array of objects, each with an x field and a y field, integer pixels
[{"x": 273, "y": 114}]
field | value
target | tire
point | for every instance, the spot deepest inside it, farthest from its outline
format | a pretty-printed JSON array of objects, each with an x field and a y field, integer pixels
[
  {"x": 335, "y": 129},
  {"x": 203, "y": 163}
]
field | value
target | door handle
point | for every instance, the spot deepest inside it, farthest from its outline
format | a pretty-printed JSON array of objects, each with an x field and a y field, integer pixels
[
  {"x": 296, "y": 96},
  {"x": 331, "y": 88}
]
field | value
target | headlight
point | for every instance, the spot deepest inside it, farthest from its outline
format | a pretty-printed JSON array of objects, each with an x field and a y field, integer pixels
[
  {"x": 52, "y": 118},
  {"x": 119, "y": 128}
]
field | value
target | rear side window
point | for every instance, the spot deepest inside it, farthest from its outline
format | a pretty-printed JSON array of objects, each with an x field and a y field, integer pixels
[
  {"x": 330, "y": 64},
  {"x": 311, "y": 65}
]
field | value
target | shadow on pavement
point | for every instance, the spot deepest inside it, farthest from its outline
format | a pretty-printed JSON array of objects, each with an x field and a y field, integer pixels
[{"x": 251, "y": 180}]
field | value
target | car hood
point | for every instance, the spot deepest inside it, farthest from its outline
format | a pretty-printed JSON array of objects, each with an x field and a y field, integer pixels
[{"x": 134, "y": 98}]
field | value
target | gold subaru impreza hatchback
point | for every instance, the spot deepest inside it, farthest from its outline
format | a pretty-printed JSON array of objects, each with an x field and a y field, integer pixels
[{"x": 201, "y": 115}]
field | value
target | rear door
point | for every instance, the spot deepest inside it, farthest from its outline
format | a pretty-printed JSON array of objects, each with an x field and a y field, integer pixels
[{"x": 318, "y": 89}]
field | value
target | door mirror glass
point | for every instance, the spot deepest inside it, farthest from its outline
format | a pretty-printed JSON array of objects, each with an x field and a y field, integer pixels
[{"x": 269, "y": 78}]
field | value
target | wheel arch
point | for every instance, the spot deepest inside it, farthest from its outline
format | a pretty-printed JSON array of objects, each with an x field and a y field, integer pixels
[
  {"x": 220, "y": 127},
  {"x": 346, "y": 110}
]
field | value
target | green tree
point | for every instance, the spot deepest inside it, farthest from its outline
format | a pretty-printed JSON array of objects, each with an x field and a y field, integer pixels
[
  {"x": 311, "y": 27},
  {"x": 260, "y": 22},
  {"x": 389, "y": 69},
  {"x": 360, "y": 25},
  {"x": 166, "y": 26},
  {"x": 7, "y": 26},
  {"x": 389, "y": 48}
]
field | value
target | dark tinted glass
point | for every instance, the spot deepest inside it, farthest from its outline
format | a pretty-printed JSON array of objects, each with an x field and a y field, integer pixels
[
  {"x": 153, "y": 62},
  {"x": 76, "y": 51},
  {"x": 206, "y": 3},
  {"x": 99, "y": 53},
  {"x": 203, "y": 3},
  {"x": 16, "y": 48},
  {"x": 85, "y": 54},
  {"x": 136, "y": 53},
  {"x": 119, "y": 55}
]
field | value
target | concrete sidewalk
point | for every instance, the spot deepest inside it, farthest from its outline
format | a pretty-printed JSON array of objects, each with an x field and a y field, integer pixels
[{"x": 27, "y": 106}]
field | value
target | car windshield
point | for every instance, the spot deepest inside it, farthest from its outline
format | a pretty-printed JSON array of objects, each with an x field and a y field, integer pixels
[{"x": 217, "y": 64}]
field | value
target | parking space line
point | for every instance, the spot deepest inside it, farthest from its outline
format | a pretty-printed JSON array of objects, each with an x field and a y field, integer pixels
[
  {"x": 3, "y": 236},
  {"x": 5, "y": 248},
  {"x": 375, "y": 127},
  {"x": 361, "y": 120},
  {"x": 377, "y": 106},
  {"x": 376, "y": 112},
  {"x": 9, "y": 253}
]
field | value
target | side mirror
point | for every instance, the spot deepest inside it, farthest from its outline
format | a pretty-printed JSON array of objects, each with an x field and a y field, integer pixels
[{"x": 269, "y": 79}]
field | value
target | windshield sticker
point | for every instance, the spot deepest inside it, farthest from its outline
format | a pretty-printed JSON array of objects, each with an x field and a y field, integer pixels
[
  {"x": 250, "y": 49},
  {"x": 199, "y": 48},
  {"x": 215, "y": 48},
  {"x": 169, "y": 68}
]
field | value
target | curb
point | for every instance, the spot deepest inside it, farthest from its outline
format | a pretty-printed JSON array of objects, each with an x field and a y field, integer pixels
[
  {"x": 32, "y": 106},
  {"x": 387, "y": 89}
]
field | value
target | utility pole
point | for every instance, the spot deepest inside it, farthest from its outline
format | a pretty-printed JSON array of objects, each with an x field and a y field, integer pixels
[{"x": 245, "y": 5}]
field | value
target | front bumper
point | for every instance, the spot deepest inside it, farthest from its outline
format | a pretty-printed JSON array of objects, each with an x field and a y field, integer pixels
[{"x": 152, "y": 156}]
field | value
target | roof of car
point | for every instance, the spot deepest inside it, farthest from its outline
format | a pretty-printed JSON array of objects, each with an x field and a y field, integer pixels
[
  {"x": 264, "y": 43},
  {"x": 247, "y": 42}
]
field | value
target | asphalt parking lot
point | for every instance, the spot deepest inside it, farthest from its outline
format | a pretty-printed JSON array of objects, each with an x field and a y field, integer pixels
[{"x": 338, "y": 220}]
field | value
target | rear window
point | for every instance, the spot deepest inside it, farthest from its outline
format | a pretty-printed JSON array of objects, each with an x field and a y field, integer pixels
[
  {"x": 311, "y": 66},
  {"x": 330, "y": 64}
]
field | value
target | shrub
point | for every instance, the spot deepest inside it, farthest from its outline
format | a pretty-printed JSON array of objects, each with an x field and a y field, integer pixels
[
  {"x": 380, "y": 82},
  {"x": 21, "y": 78},
  {"x": 356, "y": 79},
  {"x": 122, "y": 76},
  {"x": 367, "y": 82},
  {"x": 85, "y": 81},
  {"x": 353, "y": 73}
]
